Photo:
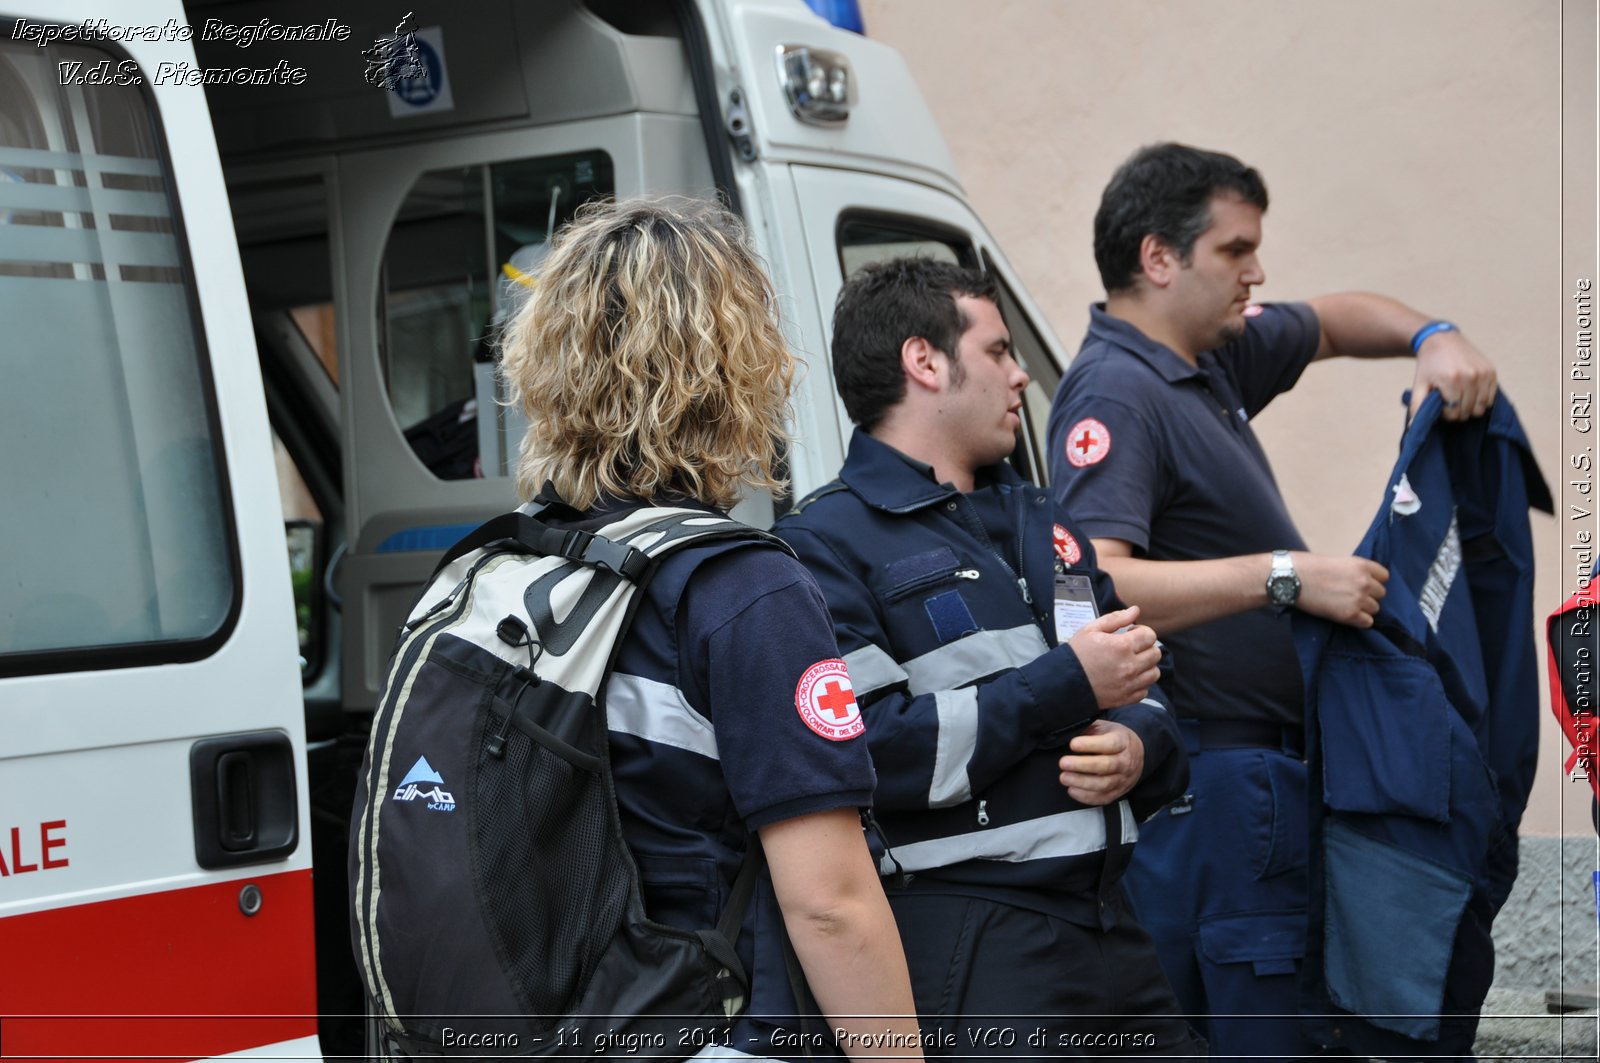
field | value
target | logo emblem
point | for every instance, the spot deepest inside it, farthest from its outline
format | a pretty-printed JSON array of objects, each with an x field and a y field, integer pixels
[
  {"x": 1088, "y": 442},
  {"x": 392, "y": 60},
  {"x": 827, "y": 702},
  {"x": 1405, "y": 501},
  {"x": 1067, "y": 548},
  {"x": 1253, "y": 310},
  {"x": 439, "y": 800}
]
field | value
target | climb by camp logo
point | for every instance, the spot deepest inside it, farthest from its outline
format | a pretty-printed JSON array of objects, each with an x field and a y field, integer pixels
[{"x": 420, "y": 775}]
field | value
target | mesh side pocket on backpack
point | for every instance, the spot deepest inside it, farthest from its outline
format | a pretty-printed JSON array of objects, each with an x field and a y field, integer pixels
[{"x": 553, "y": 882}]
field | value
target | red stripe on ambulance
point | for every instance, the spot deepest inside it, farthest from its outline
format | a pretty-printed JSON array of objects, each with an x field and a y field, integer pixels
[{"x": 181, "y": 974}]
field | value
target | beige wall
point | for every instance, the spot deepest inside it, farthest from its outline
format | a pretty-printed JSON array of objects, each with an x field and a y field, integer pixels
[{"x": 1410, "y": 148}]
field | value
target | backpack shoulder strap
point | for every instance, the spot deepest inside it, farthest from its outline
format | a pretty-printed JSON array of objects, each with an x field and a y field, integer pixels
[
  {"x": 533, "y": 536},
  {"x": 523, "y": 530}
]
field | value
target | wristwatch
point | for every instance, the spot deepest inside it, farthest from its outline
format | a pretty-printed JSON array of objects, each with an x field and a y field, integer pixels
[{"x": 1283, "y": 586}]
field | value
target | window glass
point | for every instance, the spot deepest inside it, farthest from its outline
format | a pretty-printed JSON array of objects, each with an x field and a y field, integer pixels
[
  {"x": 864, "y": 239},
  {"x": 467, "y": 242},
  {"x": 114, "y": 513},
  {"x": 1033, "y": 356}
]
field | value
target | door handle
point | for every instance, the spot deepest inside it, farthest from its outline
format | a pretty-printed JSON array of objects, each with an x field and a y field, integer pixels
[{"x": 243, "y": 792}]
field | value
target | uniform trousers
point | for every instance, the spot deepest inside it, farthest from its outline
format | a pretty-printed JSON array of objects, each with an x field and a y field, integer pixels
[{"x": 996, "y": 980}]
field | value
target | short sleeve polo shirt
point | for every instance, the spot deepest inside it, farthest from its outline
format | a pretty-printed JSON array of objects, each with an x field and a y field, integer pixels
[
  {"x": 730, "y": 710},
  {"x": 1146, "y": 448}
]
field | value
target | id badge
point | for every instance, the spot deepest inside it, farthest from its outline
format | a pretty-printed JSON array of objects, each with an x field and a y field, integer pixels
[{"x": 1075, "y": 605}]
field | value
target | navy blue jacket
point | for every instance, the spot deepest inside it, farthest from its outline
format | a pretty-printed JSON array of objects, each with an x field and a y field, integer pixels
[
  {"x": 1424, "y": 729},
  {"x": 969, "y": 703}
]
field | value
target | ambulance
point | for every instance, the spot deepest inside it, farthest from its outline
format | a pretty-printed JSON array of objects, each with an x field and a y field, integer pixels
[{"x": 252, "y": 256}]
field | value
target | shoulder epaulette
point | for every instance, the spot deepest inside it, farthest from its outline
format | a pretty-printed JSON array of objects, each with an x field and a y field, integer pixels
[{"x": 825, "y": 489}]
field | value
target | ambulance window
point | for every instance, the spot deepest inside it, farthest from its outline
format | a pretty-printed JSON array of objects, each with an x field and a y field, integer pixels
[
  {"x": 1034, "y": 356},
  {"x": 466, "y": 245},
  {"x": 118, "y": 544},
  {"x": 867, "y": 238}
]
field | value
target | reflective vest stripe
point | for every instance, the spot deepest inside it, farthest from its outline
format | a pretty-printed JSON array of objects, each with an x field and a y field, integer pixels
[
  {"x": 657, "y": 712},
  {"x": 1064, "y": 834},
  {"x": 969, "y": 659},
  {"x": 957, "y": 740}
]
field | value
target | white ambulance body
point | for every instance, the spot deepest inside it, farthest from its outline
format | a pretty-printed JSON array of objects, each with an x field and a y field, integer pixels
[{"x": 209, "y": 288}]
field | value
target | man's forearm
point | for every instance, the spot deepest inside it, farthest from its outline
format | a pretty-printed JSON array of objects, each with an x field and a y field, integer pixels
[
  {"x": 1365, "y": 325},
  {"x": 1174, "y": 595}
]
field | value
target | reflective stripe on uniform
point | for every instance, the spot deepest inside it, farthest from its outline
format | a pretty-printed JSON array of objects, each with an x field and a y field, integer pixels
[
  {"x": 872, "y": 669},
  {"x": 956, "y": 741},
  {"x": 1064, "y": 834},
  {"x": 657, "y": 712},
  {"x": 968, "y": 659}
]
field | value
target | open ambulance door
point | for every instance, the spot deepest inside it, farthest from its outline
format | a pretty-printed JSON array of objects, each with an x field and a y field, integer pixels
[
  {"x": 847, "y": 220},
  {"x": 155, "y": 884}
]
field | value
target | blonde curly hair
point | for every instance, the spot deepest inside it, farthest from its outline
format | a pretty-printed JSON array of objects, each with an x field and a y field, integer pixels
[{"x": 649, "y": 360}]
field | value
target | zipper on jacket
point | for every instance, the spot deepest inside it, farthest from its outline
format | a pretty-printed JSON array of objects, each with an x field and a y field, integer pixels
[
  {"x": 983, "y": 813},
  {"x": 894, "y": 594},
  {"x": 1021, "y": 517},
  {"x": 976, "y": 530}
]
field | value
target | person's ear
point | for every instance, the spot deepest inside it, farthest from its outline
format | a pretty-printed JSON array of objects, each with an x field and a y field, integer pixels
[
  {"x": 924, "y": 364},
  {"x": 1158, "y": 261}
]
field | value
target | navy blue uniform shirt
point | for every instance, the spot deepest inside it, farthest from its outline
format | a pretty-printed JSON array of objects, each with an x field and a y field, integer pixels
[
  {"x": 1146, "y": 448},
  {"x": 731, "y": 652}
]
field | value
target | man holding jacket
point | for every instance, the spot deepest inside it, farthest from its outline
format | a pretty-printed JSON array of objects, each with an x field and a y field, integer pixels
[{"x": 1152, "y": 449}]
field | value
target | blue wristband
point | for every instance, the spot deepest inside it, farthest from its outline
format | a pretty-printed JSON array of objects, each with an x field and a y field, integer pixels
[{"x": 1428, "y": 330}]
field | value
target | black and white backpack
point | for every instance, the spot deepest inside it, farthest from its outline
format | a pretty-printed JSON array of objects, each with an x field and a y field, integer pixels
[{"x": 496, "y": 909}]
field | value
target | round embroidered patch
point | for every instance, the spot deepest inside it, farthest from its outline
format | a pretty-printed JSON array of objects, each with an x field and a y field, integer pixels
[
  {"x": 1067, "y": 548},
  {"x": 827, "y": 701},
  {"x": 1088, "y": 442},
  {"x": 1253, "y": 310}
]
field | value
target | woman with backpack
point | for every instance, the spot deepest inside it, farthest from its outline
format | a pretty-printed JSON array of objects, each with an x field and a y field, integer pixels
[{"x": 650, "y": 364}]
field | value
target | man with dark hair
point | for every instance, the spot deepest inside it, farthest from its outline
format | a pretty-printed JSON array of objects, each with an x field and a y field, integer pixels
[
  {"x": 1152, "y": 451},
  {"x": 1017, "y": 742}
]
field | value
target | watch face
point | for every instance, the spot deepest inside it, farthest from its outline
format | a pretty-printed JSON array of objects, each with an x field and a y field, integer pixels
[{"x": 1283, "y": 590}]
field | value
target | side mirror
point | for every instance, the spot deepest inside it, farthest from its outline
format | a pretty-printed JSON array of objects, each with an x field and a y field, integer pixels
[{"x": 305, "y": 575}]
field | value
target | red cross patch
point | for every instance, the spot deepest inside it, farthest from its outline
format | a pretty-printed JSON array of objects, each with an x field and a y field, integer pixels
[
  {"x": 1088, "y": 442},
  {"x": 827, "y": 701},
  {"x": 1067, "y": 548}
]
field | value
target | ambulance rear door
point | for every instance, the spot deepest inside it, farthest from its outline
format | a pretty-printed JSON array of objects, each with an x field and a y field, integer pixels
[{"x": 155, "y": 890}]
